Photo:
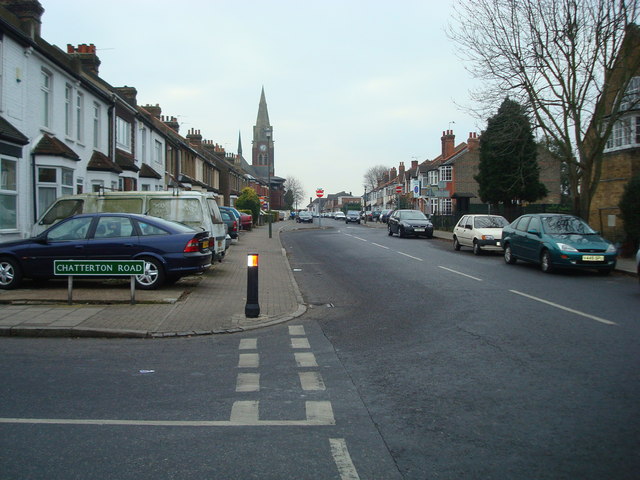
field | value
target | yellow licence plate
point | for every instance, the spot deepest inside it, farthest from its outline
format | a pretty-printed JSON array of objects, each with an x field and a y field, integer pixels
[
  {"x": 205, "y": 244},
  {"x": 593, "y": 258}
]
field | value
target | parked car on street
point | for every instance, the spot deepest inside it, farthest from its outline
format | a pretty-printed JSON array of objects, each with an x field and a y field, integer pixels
[
  {"x": 304, "y": 217},
  {"x": 232, "y": 223},
  {"x": 409, "y": 222},
  {"x": 479, "y": 232},
  {"x": 170, "y": 250},
  {"x": 340, "y": 216},
  {"x": 384, "y": 215},
  {"x": 557, "y": 241},
  {"x": 246, "y": 221},
  {"x": 352, "y": 216}
]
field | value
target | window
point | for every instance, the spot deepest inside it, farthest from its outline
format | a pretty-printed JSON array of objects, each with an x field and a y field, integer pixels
[
  {"x": 123, "y": 134},
  {"x": 79, "y": 117},
  {"x": 68, "y": 112},
  {"x": 445, "y": 206},
  {"x": 433, "y": 177},
  {"x": 113, "y": 227},
  {"x": 158, "y": 152},
  {"x": 46, "y": 91},
  {"x": 52, "y": 183},
  {"x": 625, "y": 133},
  {"x": 8, "y": 194},
  {"x": 96, "y": 125},
  {"x": 74, "y": 229},
  {"x": 523, "y": 223},
  {"x": 446, "y": 173},
  {"x": 631, "y": 95}
]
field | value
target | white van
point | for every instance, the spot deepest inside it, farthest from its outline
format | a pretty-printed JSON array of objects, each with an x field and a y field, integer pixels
[{"x": 196, "y": 209}]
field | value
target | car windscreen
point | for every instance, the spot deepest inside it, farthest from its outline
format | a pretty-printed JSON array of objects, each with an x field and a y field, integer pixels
[
  {"x": 412, "y": 216},
  {"x": 182, "y": 210},
  {"x": 563, "y": 225},
  {"x": 490, "y": 222},
  {"x": 61, "y": 210}
]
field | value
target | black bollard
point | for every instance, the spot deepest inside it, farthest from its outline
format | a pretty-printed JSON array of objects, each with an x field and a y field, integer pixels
[{"x": 252, "y": 308}]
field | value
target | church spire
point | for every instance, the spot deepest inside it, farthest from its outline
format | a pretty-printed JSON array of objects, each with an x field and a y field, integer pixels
[
  {"x": 263, "y": 115},
  {"x": 239, "y": 144}
]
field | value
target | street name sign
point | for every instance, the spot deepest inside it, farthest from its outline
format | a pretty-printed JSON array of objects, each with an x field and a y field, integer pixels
[{"x": 98, "y": 267}]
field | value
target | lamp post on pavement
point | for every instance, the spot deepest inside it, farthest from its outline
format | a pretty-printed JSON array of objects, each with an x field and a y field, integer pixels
[
  {"x": 267, "y": 133},
  {"x": 365, "y": 204}
]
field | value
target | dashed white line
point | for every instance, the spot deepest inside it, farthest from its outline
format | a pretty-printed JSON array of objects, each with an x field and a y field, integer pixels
[
  {"x": 297, "y": 342},
  {"x": 363, "y": 239},
  {"x": 248, "y": 344},
  {"x": 306, "y": 359},
  {"x": 249, "y": 360},
  {"x": 296, "y": 330},
  {"x": 567, "y": 309},
  {"x": 248, "y": 382},
  {"x": 410, "y": 256},
  {"x": 460, "y": 273},
  {"x": 341, "y": 456},
  {"x": 381, "y": 246},
  {"x": 311, "y": 381}
]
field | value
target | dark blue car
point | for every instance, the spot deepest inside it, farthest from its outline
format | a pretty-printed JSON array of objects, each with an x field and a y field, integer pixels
[{"x": 170, "y": 250}]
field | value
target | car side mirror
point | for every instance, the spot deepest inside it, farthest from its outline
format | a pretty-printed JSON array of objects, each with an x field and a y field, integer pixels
[{"x": 533, "y": 231}]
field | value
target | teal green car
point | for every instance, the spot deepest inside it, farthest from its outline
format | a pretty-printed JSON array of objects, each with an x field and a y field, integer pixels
[{"x": 557, "y": 241}]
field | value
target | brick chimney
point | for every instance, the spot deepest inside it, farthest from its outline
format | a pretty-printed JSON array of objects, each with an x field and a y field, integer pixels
[
  {"x": 154, "y": 110},
  {"x": 171, "y": 122},
  {"x": 414, "y": 164},
  {"x": 194, "y": 137},
  {"x": 473, "y": 142},
  {"x": 448, "y": 143},
  {"x": 86, "y": 55},
  {"x": 393, "y": 173},
  {"x": 29, "y": 12},
  {"x": 129, "y": 94},
  {"x": 401, "y": 169}
]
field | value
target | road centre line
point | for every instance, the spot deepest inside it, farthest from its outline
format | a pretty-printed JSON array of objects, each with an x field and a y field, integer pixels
[
  {"x": 460, "y": 273},
  {"x": 381, "y": 246},
  {"x": 410, "y": 256},
  {"x": 359, "y": 238},
  {"x": 577, "y": 312},
  {"x": 343, "y": 460}
]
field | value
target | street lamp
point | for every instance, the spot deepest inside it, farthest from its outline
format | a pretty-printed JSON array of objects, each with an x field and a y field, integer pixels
[
  {"x": 365, "y": 204},
  {"x": 267, "y": 133}
]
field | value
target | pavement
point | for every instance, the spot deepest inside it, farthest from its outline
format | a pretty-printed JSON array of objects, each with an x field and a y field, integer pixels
[{"x": 211, "y": 303}]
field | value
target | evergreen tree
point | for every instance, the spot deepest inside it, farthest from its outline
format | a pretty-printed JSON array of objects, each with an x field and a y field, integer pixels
[
  {"x": 508, "y": 169},
  {"x": 288, "y": 200},
  {"x": 630, "y": 209},
  {"x": 249, "y": 200}
]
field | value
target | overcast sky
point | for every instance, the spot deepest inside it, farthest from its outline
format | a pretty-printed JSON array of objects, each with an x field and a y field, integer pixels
[{"x": 349, "y": 84}]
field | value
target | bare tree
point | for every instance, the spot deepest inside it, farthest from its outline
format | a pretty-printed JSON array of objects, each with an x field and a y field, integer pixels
[
  {"x": 293, "y": 185},
  {"x": 556, "y": 57},
  {"x": 373, "y": 175}
]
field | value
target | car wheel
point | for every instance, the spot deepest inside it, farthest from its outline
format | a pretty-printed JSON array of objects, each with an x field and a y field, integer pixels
[
  {"x": 456, "y": 244},
  {"x": 545, "y": 261},
  {"x": 10, "y": 274},
  {"x": 508, "y": 255},
  {"x": 401, "y": 232},
  {"x": 476, "y": 248},
  {"x": 390, "y": 232},
  {"x": 153, "y": 276}
]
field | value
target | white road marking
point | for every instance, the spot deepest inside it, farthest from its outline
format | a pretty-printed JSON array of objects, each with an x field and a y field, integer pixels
[
  {"x": 300, "y": 343},
  {"x": 381, "y": 246},
  {"x": 306, "y": 359},
  {"x": 460, "y": 273},
  {"x": 577, "y": 312},
  {"x": 343, "y": 460},
  {"x": 249, "y": 360},
  {"x": 248, "y": 344},
  {"x": 410, "y": 256},
  {"x": 311, "y": 381},
  {"x": 248, "y": 382},
  {"x": 364, "y": 240},
  {"x": 242, "y": 414},
  {"x": 296, "y": 330}
]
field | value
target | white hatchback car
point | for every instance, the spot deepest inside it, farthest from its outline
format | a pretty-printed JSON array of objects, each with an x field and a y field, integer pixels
[{"x": 479, "y": 232}]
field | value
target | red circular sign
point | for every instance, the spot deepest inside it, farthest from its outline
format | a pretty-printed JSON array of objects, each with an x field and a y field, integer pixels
[
  {"x": 319, "y": 193},
  {"x": 399, "y": 189}
]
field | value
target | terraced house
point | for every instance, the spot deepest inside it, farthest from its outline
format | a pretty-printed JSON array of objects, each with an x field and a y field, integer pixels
[{"x": 65, "y": 130}]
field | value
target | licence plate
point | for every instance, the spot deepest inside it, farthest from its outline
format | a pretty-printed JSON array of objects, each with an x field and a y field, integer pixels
[
  {"x": 418, "y": 229},
  {"x": 593, "y": 258},
  {"x": 205, "y": 244}
]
